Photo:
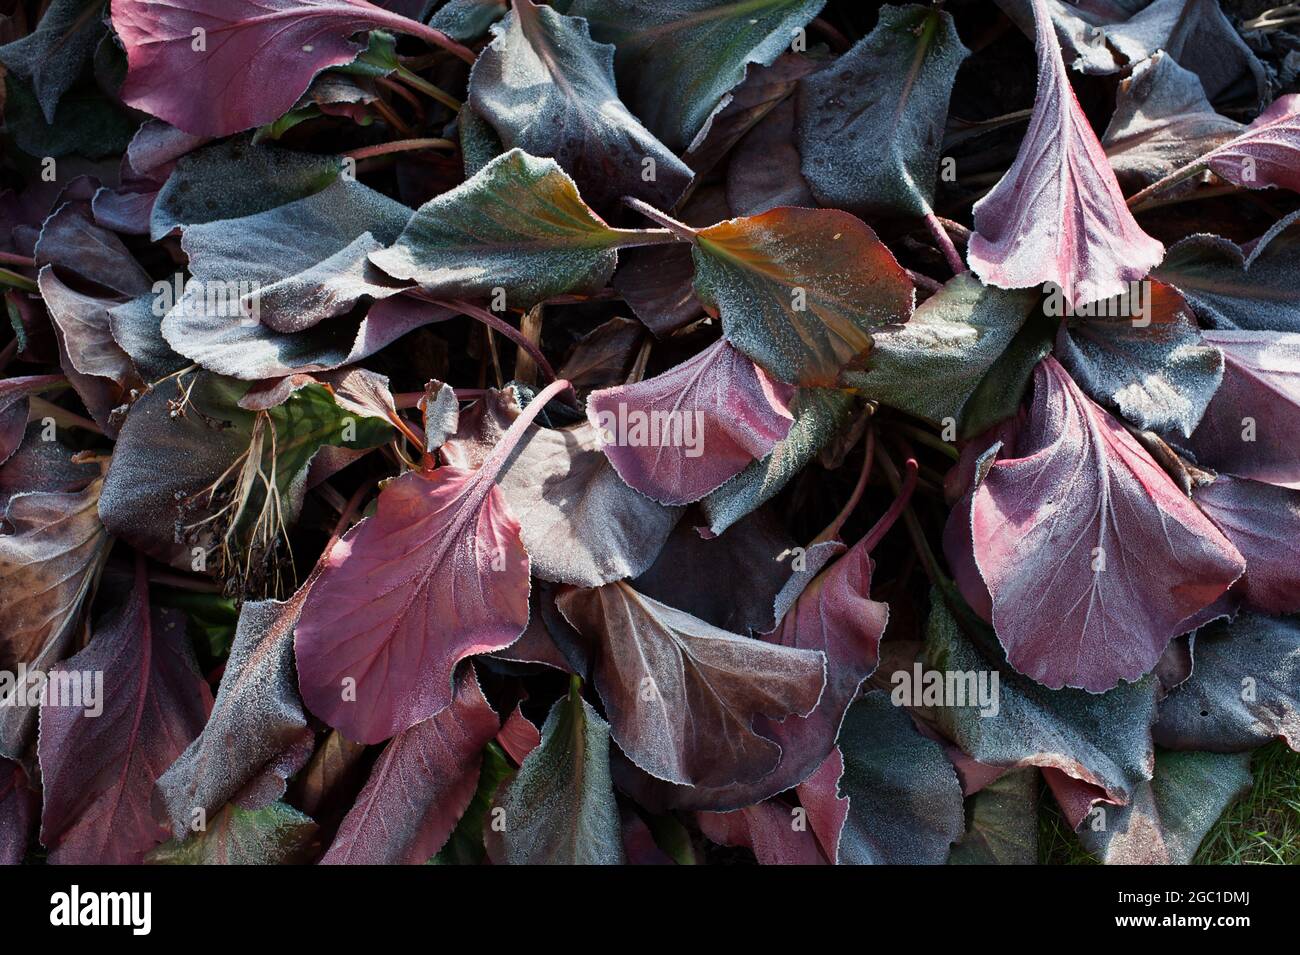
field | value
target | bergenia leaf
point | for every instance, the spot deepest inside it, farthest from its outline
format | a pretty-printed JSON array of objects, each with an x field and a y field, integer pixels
[
  {"x": 770, "y": 829},
  {"x": 683, "y": 697},
  {"x": 235, "y": 178},
  {"x": 1249, "y": 427},
  {"x": 905, "y": 803},
  {"x": 682, "y": 434},
  {"x": 20, "y": 806},
  {"x": 1263, "y": 523},
  {"x": 14, "y": 406},
  {"x": 519, "y": 224},
  {"x": 257, "y": 735},
  {"x": 870, "y": 125},
  {"x": 546, "y": 87},
  {"x": 1244, "y": 689},
  {"x": 1126, "y": 551},
  {"x": 420, "y": 785},
  {"x": 1058, "y": 214},
  {"x": 50, "y": 559},
  {"x": 558, "y": 485},
  {"x": 818, "y": 414},
  {"x": 183, "y": 485},
  {"x": 559, "y": 809},
  {"x": 1170, "y": 815},
  {"x": 678, "y": 59},
  {"x": 799, "y": 290},
  {"x": 438, "y": 574},
  {"x": 99, "y": 762},
  {"x": 1162, "y": 121},
  {"x": 275, "y": 835},
  {"x": 292, "y": 266},
  {"x": 1003, "y": 826},
  {"x": 1264, "y": 155},
  {"x": 1231, "y": 287},
  {"x": 1155, "y": 368},
  {"x": 52, "y": 56},
  {"x": 1101, "y": 740},
  {"x": 932, "y": 365},
  {"x": 255, "y": 56}
]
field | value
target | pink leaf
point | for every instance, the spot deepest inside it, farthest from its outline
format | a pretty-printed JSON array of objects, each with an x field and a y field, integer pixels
[
  {"x": 1267, "y": 154},
  {"x": 1058, "y": 214},
  {"x": 519, "y": 736},
  {"x": 1250, "y": 425},
  {"x": 99, "y": 769},
  {"x": 214, "y": 67},
  {"x": 767, "y": 829},
  {"x": 682, "y": 434},
  {"x": 438, "y": 574},
  {"x": 420, "y": 785},
  {"x": 19, "y": 804},
  {"x": 1092, "y": 556}
]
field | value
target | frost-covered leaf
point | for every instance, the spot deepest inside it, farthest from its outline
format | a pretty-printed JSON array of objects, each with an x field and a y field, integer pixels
[
  {"x": 1101, "y": 740},
  {"x": 189, "y": 436},
  {"x": 15, "y": 405},
  {"x": 420, "y": 785},
  {"x": 1155, "y": 368},
  {"x": 905, "y": 804},
  {"x": 547, "y": 88},
  {"x": 1233, "y": 287},
  {"x": 292, "y": 266},
  {"x": 1266, "y": 153},
  {"x": 1003, "y": 827},
  {"x": 1263, "y": 522},
  {"x": 1058, "y": 214},
  {"x": 561, "y": 488},
  {"x": 518, "y": 224},
  {"x": 677, "y": 60},
  {"x": 100, "y": 759},
  {"x": 799, "y": 290},
  {"x": 684, "y": 698},
  {"x": 682, "y": 434},
  {"x": 871, "y": 124},
  {"x": 53, "y": 55},
  {"x": 559, "y": 809},
  {"x": 51, "y": 555},
  {"x": 275, "y": 835},
  {"x": 1123, "y": 556},
  {"x": 1250, "y": 426},
  {"x": 1162, "y": 121},
  {"x": 1244, "y": 689},
  {"x": 1170, "y": 815},
  {"x": 257, "y": 735},
  {"x": 932, "y": 365},
  {"x": 818, "y": 414},
  {"x": 235, "y": 178}
]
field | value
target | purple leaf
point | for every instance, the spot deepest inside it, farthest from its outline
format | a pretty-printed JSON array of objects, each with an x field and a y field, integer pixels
[
  {"x": 19, "y": 805},
  {"x": 1250, "y": 425},
  {"x": 420, "y": 785},
  {"x": 682, "y": 434},
  {"x": 99, "y": 762},
  {"x": 257, "y": 735},
  {"x": 438, "y": 574},
  {"x": 14, "y": 405},
  {"x": 1091, "y": 554},
  {"x": 1263, "y": 522},
  {"x": 683, "y": 697},
  {"x": 1058, "y": 214},
  {"x": 253, "y": 58},
  {"x": 767, "y": 828}
]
